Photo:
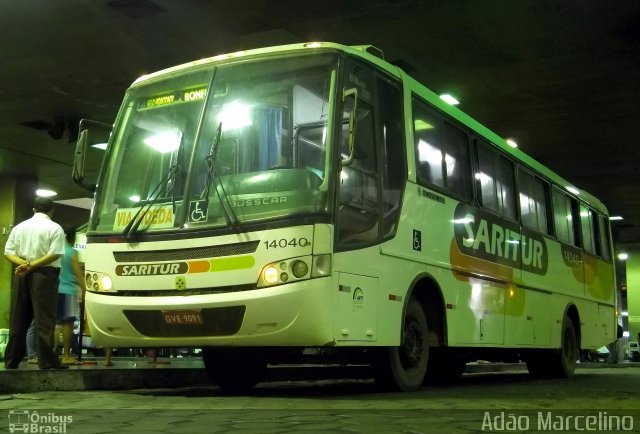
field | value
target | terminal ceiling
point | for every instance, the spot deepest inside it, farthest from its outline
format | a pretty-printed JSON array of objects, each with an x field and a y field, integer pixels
[{"x": 560, "y": 77}]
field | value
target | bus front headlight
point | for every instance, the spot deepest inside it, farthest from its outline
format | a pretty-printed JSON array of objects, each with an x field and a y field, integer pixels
[
  {"x": 270, "y": 275},
  {"x": 97, "y": 282},
  {"x": 294, "y": 269}
]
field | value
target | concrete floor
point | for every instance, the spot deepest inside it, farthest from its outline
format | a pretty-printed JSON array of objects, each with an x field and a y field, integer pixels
[{"x": 175, "y": 396}]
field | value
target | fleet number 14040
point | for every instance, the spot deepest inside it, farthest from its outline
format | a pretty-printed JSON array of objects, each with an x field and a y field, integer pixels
[{"x": 286, "y": 242}]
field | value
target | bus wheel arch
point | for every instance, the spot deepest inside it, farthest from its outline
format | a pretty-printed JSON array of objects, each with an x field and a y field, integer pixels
[
  {"x": 428, "y": 293},
  {"x": 446, "y": 364}
]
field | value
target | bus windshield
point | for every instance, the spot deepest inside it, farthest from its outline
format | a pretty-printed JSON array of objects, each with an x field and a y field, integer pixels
[{"x": 220, "y": 146}]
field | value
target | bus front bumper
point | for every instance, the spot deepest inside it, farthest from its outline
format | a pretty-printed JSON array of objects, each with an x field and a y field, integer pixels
[{"x": 295, "y": 314}]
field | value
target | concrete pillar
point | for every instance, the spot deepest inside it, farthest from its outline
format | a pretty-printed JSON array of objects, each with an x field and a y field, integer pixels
[{"x": 633, "y": 291}]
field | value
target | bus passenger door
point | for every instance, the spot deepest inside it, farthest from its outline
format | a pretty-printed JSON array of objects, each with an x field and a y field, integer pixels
[
  {"x": 370, "y": 175},
  {"x": 357, "y": 308}
]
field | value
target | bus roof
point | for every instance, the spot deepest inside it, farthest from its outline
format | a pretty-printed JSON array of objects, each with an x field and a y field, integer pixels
[{"x": 374, "y": 55}]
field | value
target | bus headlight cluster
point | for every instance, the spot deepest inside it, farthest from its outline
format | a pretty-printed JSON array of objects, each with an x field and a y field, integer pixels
[
  {"x": 98, "y": 281},
  {"x": 294, "y": 269}
]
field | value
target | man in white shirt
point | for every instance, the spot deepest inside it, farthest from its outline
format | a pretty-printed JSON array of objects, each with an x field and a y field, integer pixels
[{"x": 35, "y": 246}]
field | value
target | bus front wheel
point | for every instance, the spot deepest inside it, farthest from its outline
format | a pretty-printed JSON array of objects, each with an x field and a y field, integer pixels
[
  {"x": 235, "y": 369},
  {"x": 404, "y": 367}
]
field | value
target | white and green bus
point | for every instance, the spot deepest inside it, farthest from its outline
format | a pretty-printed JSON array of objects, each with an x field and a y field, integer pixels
[{"x": 313, "y": 199}]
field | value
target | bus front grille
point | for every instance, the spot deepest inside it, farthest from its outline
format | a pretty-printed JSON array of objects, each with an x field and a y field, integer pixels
[
  {"x": 219, "y": 321},
  {"x": 189, "y": 253},
  {"x": 182, "y": 292}
]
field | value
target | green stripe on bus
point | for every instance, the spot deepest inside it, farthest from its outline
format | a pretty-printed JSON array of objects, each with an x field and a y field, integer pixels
[{"x": 236, "y": 263}]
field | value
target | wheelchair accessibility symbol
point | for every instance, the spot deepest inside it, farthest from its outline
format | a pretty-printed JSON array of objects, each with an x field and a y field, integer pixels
[
  {"x": 417, "y": 240},
  {"x": 198, "y": 211}
]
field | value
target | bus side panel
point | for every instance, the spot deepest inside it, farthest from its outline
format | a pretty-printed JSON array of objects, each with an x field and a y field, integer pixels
[
  {"x": 527, "y": 318},
  {"x": 599, "y": 280},
  {"x": 475, "y": 306},
  {"x": 356, "y": 307},
  {"x": 383, "y": 281},
  {"x": 565, "y": 270}
]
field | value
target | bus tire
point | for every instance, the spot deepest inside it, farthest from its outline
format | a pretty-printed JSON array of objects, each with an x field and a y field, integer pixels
[
  {"x": 560, "y": 363},
  {"x": 235, "y": 369},
  {"x": 403, "y": 368},
  {"x": 566, "y": 357}
]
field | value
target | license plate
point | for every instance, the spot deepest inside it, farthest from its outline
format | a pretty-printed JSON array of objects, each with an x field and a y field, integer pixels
[{"x": 182, "y": 317}]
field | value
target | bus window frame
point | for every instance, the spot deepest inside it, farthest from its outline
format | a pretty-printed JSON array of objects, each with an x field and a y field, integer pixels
[
  {"x": 443, "y": 119},
  {"x": 550, "y": 232},
  {"x": 477, "y": 140}
]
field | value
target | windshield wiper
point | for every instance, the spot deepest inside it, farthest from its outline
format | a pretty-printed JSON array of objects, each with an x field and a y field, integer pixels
[
  {"x": 131, "y": 229},
  {"x": 212, "y": 177}
]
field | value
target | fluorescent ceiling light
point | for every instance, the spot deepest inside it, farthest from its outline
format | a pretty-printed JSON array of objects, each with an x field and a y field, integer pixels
[
  {"x": 512, "y": 143},
  {"x": 449, "y": 99},
  {"x": 45, "y": 193},
  {"x": 615, "y": 217},
  {"x": 623, "y": 256},
  {"x": 102, "y": 146}
]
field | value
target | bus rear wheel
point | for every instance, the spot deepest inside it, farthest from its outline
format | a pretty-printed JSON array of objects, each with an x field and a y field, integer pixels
[
  {"x": 403, "y": 368},
  {"x": 235, "y": 369},
  {"x": 560, "y": 363}
]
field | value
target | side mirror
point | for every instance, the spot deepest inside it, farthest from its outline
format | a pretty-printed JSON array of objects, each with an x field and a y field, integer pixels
[
  {"x": 78, "y": 171},
  {"x": 78, "y": 160},
  {"x": 353, "y": 92}
]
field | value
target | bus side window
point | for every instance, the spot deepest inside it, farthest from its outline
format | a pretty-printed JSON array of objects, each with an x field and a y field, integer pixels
[
  {"x": 442, "y": 153},
  {"x": 603, "y": 234},
  {"x": 587, "y": 229},
  {"x": 495, "y": 180},
  {"x": 428, "y": 135},
  {"x": 565, "y": 217},
  {"x": 534, "y": 199}
]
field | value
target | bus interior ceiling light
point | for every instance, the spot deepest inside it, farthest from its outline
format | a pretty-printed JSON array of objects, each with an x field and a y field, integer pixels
[
  {"x": 449, "y": 99},
  {"x": 165, "y": 142},
  {"x": 235, "y": 115},
  {"x": 511, "y": 143}
]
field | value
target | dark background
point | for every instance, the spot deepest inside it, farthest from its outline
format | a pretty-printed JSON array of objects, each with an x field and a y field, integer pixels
[{"x": 560, "y": 77}]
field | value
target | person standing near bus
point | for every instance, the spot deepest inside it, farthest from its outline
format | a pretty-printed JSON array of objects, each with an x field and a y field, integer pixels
[
  {"x": 35, "y": 246},
  {"x": 68, "y": 294}
]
